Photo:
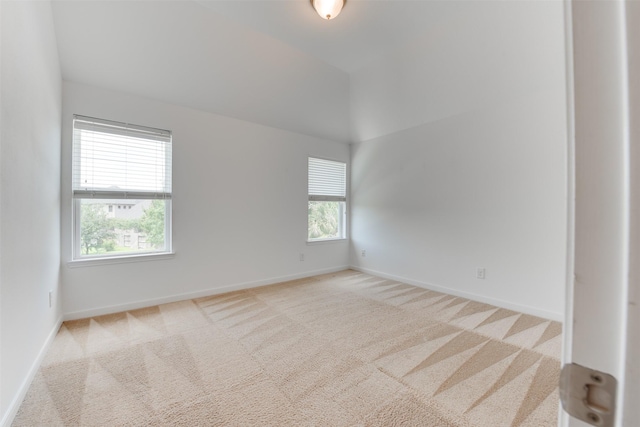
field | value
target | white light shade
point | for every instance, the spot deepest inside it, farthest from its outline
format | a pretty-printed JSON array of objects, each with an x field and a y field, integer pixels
[{"x": 328, "y": 9}]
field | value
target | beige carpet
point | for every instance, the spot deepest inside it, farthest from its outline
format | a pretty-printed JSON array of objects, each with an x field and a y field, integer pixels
[{"x": 344, "y": 349}]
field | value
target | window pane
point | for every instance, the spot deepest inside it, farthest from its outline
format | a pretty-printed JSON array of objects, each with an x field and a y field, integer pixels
[
  {"x": 121, "y": 226},
  {"x": 326, "y": 220}
]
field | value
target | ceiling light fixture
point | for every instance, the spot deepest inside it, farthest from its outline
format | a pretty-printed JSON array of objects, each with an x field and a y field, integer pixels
[{"x": 328, "y": 9}]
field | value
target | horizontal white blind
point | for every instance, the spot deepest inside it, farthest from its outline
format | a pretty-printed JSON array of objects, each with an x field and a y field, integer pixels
[
  {"x": 327, "y": 180},
  {"x": 117, "y": 160}
]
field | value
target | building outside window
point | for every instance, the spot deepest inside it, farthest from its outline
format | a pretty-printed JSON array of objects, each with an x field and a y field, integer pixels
[
  {"x": 123, "y": 165},
  {"x": 327, "y": 200}
]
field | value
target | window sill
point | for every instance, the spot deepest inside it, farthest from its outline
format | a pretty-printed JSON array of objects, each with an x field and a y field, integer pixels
[
  {"x": 92, "y": 262},
  {"x": 316, "y": 242}
]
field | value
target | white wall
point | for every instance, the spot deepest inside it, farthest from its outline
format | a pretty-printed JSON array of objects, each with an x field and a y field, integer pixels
[
  {"x": 632, "y": 381},
  {"x": 462, "y": 158},
  {"x": 239, "y": 207},
  {"x": 29, "y": 194}
]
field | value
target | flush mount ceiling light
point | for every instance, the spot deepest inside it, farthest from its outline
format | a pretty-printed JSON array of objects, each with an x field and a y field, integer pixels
[{"x": 328, "y": 9}]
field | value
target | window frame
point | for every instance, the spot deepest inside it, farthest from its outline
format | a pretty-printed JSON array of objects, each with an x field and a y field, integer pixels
[
  {"x": 344, "y": 204},
  {"x": 76, "y": 247}
]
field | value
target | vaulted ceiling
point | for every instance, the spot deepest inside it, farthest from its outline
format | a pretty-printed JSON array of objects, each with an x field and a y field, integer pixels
[
  {"x": 273, "y": 62},
  {"x": 364, "y": 30}
]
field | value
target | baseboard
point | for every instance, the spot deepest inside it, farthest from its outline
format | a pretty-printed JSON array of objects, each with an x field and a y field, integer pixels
[
  {"x": 13, "y": 407},
  {"x": 83, "y": 314},
  {"x": 545, "y": 314}
]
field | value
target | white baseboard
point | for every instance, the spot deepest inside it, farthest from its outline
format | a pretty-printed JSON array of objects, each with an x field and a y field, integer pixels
[
  {"x": 83, "y": 314},
  {"x": 545, "y": 314},
  {"x": 13, "y": 407}
]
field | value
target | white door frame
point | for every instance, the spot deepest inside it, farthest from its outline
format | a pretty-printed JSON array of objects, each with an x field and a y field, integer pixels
[
  {"x": 603, "y": 79},
  {"x": 632, "y": 368}
]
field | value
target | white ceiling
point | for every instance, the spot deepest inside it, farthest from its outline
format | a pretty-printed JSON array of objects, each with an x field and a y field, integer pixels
[
  {"x": 273, "y": 62},
  {"x": 364, "y": 30}
]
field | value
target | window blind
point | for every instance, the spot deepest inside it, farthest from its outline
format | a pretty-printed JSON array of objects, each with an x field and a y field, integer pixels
[
  {"x": 113, "y": 160},
  {"x": 327, "y": 180}
]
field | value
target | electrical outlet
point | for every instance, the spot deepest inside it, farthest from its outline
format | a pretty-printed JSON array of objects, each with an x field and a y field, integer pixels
[
  {"x": 50, "y": 299},
  {"x": 481, "y": 273},
  {"x": 301, "y": 256},
  {"x": 364, "y": 252}
]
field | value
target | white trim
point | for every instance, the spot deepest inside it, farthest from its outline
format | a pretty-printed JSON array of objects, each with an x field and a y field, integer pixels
[
  {"x": 120, "y": 195},
  {"x": 197, "y": 294},
  {"x": 13, "y": 407},
  {"x": 87, "y": 122},
  {"x": 550, "y": 315},
  {"x": 92, "y": 262},
  {"x": 563, "y": 416},
  {"x": 626, "y": 220},
  {"x": 334, "y": 240},
  {"x": 168, "y": 227}
]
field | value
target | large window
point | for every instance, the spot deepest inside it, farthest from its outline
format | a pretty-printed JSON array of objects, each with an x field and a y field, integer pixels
[
  {"x": 121, "y": 189},
  {"x": 327, "y": 199}
]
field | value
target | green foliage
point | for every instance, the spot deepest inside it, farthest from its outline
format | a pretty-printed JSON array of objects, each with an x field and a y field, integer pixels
[
  {"x": 324, "y": 219},
  {"x": 152, "y": 223},
  {"x": 96, "y": 233},
  {"x": 126, "y": 224},
  {"x": 99, "y": 233}
]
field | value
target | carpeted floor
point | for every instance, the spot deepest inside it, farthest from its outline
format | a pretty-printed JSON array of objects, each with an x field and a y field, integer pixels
[{"x": 344, "y": 349}]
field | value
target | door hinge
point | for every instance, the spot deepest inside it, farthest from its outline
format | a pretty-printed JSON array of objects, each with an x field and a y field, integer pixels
[{"x": 588, "y": 395}]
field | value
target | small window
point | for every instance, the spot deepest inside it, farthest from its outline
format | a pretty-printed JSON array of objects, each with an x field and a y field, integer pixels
[
  {"x": 117, "y": 164},
  {"x": 327, "y": 200}
]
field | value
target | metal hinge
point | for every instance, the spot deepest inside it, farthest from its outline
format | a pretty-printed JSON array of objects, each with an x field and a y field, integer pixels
[{"x": 588, "y": 395}]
